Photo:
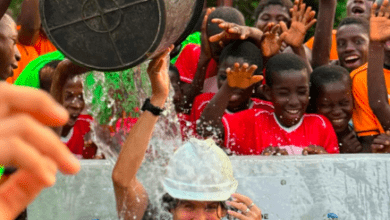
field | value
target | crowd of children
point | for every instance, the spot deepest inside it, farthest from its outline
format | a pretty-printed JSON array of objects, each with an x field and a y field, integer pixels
[
  {"x": 253, "y": 89},
  {"x": 257, "y": 90},
  {"x": 294, "y": 109}
]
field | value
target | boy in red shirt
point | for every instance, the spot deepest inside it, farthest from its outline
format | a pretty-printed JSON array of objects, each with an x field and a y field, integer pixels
[
  {"x": 213, "y": 106},
  {"x": 254, "y": 132}
]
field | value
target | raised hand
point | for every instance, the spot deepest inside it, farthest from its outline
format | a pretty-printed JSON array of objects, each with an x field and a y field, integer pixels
[
  {"x": 380, "y": 24},
  {"x": 314, "y": 150},
  {"x": 270, "y": 151},
  {"x": 302, "y": 20},
  {"x": 381, "y": 143},
  {"x": 241, "y": 76},
  {"x": 271, "y": 42},
  {"x": 232, "y": 31},
  {"x": 205, "y": 44},
  {"x": 158, "y": 74},
  {"x": 350, "y": 144},
  {"x": 29, "y": 145},
  {"x": 247, "y": 209}
]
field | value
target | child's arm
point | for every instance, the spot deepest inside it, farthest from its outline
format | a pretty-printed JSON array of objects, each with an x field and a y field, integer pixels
[
  {"x": 196, "y": 86},
  {"x": 234, "y": 31},
  {"x": 127, "y": 188},
  {"x": 381, "y": 143},
  {"x": 238, "y": 77},
  {"x": 323, "y": 33},
  {"x": 376, "y": 84},
  {"x": 350, "y": 144},
  {"x": 302, "y": 20},
  {"x": 30, "y": 22}
]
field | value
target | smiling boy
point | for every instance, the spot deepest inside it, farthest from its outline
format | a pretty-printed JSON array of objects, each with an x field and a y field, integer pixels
[
  {"x": 287, "y": 86},
  {"x": 352, "y": 42}
]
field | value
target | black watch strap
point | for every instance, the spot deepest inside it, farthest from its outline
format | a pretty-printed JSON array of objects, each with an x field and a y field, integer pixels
[{"x": 151, "y": 108}]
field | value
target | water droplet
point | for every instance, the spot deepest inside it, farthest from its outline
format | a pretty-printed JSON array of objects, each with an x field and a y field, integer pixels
[{"x": 209, "y": 128}]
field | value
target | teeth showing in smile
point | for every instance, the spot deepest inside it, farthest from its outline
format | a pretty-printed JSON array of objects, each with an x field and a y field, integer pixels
[
  {"x": 338, "y": 120},
  {"x": 350, "y": 58},
  {"x": 293, "y": 111}
]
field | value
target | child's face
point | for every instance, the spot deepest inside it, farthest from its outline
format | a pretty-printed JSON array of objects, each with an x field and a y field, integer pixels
[
  {"x": 336, "y": 103},
  {"x": 274, "y": 14},
  {"x": 9, "y": 53},
  {"x": 352, "y": 46},
  {"x": 289, "y": 95},
  {"x": 240, "y": 96},
  {"x": 73, "y": 99},
  {"x": 178, "y": 87},
  {"x": 360, "y": 8}
]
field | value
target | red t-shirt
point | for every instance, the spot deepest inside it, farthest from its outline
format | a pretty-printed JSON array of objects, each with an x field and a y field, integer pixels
[
  {"x": 186, "y": 126},
  {"x": 187, "y": 64},
  {"x": 75, "y": 138},
  {"x": 250, "y": 132},
  {"x": 202, "y": 100}
]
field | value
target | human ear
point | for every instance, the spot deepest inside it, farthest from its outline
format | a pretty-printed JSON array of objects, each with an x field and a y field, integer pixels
[{"x": 267, "y": 92}]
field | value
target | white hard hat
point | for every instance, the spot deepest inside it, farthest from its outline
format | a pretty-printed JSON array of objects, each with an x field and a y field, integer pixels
[{"x": 200, "y": 171}]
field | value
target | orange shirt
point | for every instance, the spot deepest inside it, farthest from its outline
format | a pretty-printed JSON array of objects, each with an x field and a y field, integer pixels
[
  {"x": 28, "y": 53},
  {"x": 43, "y": 45},
  {"x": 333, "y": 50},
  {"x": 364, "y": 120}
]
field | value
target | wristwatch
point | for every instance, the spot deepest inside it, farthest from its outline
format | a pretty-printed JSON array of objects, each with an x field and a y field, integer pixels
[{"x": 151, "y": 108}]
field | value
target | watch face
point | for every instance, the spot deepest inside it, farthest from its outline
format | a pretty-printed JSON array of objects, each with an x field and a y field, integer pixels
[{"x": 151, "y": 108}]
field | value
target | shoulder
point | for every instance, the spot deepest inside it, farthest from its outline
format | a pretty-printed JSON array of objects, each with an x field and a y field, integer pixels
[
  {"x": 360, "y": 72},
  {"x": 202, "y": 100},
  {"x": 317, "y": 120},
  {"x": 258, "y": 103}
]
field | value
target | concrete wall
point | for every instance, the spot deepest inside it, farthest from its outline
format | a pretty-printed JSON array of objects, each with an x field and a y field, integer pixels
[{"x": 293, "y": 187}]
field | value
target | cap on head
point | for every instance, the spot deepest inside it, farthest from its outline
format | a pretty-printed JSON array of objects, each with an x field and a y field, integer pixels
[{"x": 200, "y": 171}]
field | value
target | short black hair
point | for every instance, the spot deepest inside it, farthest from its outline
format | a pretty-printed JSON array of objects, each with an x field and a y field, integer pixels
[
  {"x": 46, "y": 78},
  {"x": 364, "y": 23},
  {"x": 227, "y": 14},
  {"x": 246, "y": 50},
  {"x": 264, "y": 3},
  {"x": 282, "y": 62},
  {"x": 322, "y": 76}
]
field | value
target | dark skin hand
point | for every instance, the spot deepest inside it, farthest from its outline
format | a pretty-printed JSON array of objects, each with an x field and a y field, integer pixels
[
  {"x": 271, "y": 151},
  {"x": 30, "y": 22},
  {"x": 238, "y": 77},
  {"x": 381, "y": 143},
  {"x": 349, "y": 143},
  {"x": 323, "y": 33},
  {"x": 313, "y": 150},
  {"x": 196, "y": 87},
  {"x": 376, "y": 83},
  {"x": 234, "y": 31},
  {"x": 302, "y": 20}
]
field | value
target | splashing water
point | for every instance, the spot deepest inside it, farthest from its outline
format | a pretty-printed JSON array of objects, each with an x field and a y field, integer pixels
[{"x": 112, "y": 95}]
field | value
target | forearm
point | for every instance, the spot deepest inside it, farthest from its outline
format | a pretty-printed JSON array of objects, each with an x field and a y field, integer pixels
[
  {"x": 4, "y": 4},
  {"x": 323, "y": 33},
  {"x": 376, "y": 84},
  {"x": 30, "y": 22},
  {"x": 133, "y": 150},
  {"x": 300, "y": 51},
  {"x": 212, "y": 114},
  {"x": 256, "y": 36},
  {"x": 196, "y": 86}
]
